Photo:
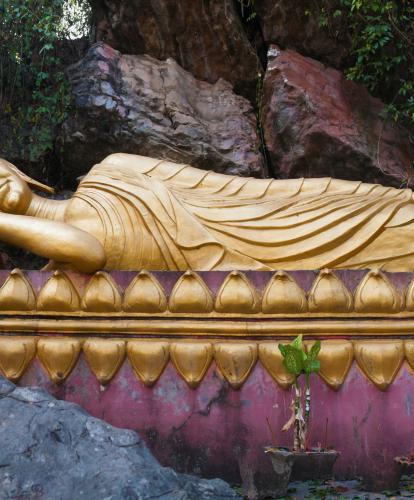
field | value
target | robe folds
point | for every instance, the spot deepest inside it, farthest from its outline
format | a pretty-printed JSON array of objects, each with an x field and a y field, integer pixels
[{"x": 163, "y": 215}]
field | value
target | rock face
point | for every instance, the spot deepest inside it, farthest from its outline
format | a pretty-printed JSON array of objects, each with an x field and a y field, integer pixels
[
  {"x": 136, "y": 104},
  {"x": 317, "y": 123},
  {"x": 297, "y": 25},
  {"x": 52, "y": 449},
  {"x": 204, "y": 37}
]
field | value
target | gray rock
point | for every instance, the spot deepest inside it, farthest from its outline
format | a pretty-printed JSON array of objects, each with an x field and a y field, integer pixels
[
  {"x": 52, "y": 449},
  {"x": 205, "y": 38},
  {"x": 137, "y": 104}
]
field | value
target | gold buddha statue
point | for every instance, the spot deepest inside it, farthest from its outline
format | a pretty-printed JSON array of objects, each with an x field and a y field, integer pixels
[{"x": 132, "y": 212}]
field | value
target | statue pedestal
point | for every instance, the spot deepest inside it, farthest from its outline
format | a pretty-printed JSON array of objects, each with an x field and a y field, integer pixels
[{"x": 191, "y": 360}]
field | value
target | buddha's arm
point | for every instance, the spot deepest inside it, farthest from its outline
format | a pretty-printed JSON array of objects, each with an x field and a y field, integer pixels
[{"x": 57, "y": 241}]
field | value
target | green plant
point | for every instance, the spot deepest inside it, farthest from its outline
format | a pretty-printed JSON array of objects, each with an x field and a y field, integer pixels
[
  {"x": 382, "y": 49},
  {"x": 33, "y": 89},
  {"x": 247, "y": 8},
  {"x": 299, "y": 363}
]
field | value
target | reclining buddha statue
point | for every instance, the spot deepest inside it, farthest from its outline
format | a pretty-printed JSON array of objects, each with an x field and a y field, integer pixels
[{"x": 132, "y": 212}]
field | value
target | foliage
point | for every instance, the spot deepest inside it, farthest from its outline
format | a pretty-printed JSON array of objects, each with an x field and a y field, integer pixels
[
  {"x": 247, "y": 8},
  {"x": 33, "y": 88},
  {"x": 382, "y": 48},
  {"x": 299, "y": 362}
]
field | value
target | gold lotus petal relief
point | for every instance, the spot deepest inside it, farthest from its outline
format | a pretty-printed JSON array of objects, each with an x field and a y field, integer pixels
[
  {"x": 190, "y": 294},
  {"x": 335, "y": 357},
  {"x": 409, "y": 301},
  {"x": 192, "y": 360},
  {"x": 58, "y": 356},
  {"x": 271, "y": 358},
  {"x": 329, "y": 294},
  {"x": 58, "y": 294},
  {"x": 104, "y": 357},
  {"x": 145, "y": 294},
  {"x": 379, "y": 360},
  {"x": 102, "y": 294},
  {"x": 376, "y": 293},
  {"x": 283, "y": 295},
  {"x": 16, "y": 353},
  {"x": 237, "y": 295},
  {"x": 17, "y": 293},
  {"x": 235, "y": 361},
  {"x": 409, "y": 352},
  {"x": 148, "y": 359}
]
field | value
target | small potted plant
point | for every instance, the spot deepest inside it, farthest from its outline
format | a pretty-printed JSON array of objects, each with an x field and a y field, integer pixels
[
  {"x": 306, "y": 463},
  {"x": 403, "y": 466}
]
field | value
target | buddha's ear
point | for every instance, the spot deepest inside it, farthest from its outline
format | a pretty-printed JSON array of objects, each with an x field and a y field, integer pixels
[{"x": 32, "y": 182}]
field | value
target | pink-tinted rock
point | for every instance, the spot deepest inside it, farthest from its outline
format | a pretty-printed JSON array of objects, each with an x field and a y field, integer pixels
[
  {"x": 205, "y": 38},
  {"x": 297, "y": 25},
  {"x": 317, "y": 123},
  {"x": 137, "y": 104}
]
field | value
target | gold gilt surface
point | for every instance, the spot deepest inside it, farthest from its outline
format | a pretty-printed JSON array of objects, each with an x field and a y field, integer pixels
[
  {"x": 104, "y": 357},
  {"x": 102, "y": 295},
  {"x": 329, "y": 294},
  {"x": 135, "y": 212},
  {"x": 58, "y": 356},
  {"x": 144, "y": 295},
  {"x": 190, "y": 297},
  {"x": 192, "y": 360},
  {"x": 283, "y": 295},
  {"x": 379, "y": 360},
  {"x": 271, "y": 358},
  {"x": 17, "y": 293},
  {"x": 148, "y": 358},
  {"x": 58, "y": 294},
  {"x": 375, "y": 292}
]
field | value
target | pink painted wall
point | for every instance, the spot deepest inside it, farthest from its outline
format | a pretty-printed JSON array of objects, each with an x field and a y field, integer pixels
[{"x": 218, "y": 431}]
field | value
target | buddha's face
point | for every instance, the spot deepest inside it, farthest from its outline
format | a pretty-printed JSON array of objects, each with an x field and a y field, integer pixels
[{"x": 15, "y": 194}]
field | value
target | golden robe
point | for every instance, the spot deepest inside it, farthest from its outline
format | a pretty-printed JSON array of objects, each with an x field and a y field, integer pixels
[{"x": 162, "y": 215}]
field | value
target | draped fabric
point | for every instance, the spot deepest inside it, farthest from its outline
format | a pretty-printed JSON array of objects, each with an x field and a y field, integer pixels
[{"x": 169, "y": 216}]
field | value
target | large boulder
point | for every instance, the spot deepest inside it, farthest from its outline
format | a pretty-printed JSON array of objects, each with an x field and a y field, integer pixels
[
  {"x": 137, "y": 104},
  {"x": 298, "y": 25},
  {"x": 317, "y": 123},
  {"x": 53, "y": 449},
  {"x": 205, "y": 38}
]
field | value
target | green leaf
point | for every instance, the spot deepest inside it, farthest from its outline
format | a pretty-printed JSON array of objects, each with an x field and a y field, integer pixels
[
  {"x": 314, "y": 350},
  {"x": 315, "y": 365},
  {"x": 311, "y": 366},
  {"x": 293, "y": 361},
  {"x": 297, "y": 343},
  {"x": 282, "y": 349}
]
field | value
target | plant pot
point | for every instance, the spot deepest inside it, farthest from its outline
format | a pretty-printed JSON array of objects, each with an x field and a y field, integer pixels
[
  {"x": 405, "y": 465},
  {"x": 313, "y": 464},
  {"x": 282, "y": 461}
]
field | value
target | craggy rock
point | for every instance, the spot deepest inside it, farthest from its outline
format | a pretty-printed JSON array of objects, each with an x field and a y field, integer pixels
[
  {"x": 204, "y": 37},
  {"x": 52, "y": 449},
  {"x": 316, "y": 123},
  {"x": 136, "y": 104},
  {"x": 296, "y": 25}
]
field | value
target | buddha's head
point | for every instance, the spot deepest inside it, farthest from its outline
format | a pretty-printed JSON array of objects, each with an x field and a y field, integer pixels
[{"x": 15, "y": 189}]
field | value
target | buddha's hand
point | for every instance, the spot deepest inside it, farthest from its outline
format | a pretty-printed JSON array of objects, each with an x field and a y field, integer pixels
[{"x": 15, "y": 194}]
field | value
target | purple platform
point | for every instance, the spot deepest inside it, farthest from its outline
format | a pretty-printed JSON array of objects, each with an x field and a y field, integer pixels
[{"x": 216, "y": 431}]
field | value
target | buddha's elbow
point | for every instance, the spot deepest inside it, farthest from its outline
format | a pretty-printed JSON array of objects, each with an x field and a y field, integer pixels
[{"x": 93, "y": 258}]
